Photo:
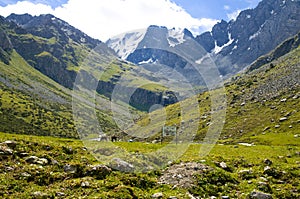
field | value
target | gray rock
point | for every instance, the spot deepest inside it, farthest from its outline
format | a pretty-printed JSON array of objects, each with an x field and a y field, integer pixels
[
  {"x": 121, "y": 165},
  {"x": 31, "y": 159},
  {"x": 283, "y": 100},
  {"x": 277, "y": 126},
  {"x": 85, "y": 184},
  {"x": 4, "y": 150},
  {"x": 60, "y": 194},
  {"x": 69, "y": 168},
  {"x": 225, "y": 197},
  {"x": 36, "y": 160},
  {"x": 268, "y": 162},
  {"x": 158, "y": 195},
  {"x": 99, "y": 171},
  {"x": 223, "y": 165},
  {"x": 39, "y": 195},
  {"x": 259, "y": 195},
  {"x": 283, "y": 119},
  {"x": 42, "y": 161},
  {"x": 10, "y": 144}
]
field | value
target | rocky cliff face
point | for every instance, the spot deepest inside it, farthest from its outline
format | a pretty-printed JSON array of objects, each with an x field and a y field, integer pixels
[
  {"x": 254, "y": 33},
  {"x": 286, "y": 47},
  {"x": 5, "y": 45},
  {"x": 232, "y": 45}
]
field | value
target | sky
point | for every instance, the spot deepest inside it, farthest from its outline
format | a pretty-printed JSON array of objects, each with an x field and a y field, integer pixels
[{"x": 103, "y": 19}]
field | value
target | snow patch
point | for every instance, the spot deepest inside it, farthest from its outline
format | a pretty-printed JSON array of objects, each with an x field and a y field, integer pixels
[
  {"x": 218, "y": 49},
  {"x": 175, "y": 37},
  {"x": 272, "y": 12},
  {"x": 126, "y": 43},
  {"x": 146, "y": 62},
  {"x": 248, "y": 16}
]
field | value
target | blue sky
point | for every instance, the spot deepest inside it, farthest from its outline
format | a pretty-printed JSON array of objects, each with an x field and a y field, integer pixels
[{"x": 114, "y": 17}]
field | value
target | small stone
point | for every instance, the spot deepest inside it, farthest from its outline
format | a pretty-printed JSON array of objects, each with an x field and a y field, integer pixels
[
  {"x": 31, "y": 159},
  {"x": 235, "y": 146},
  {"x": 22, "y": 155},
  {"x": 39, "y": 195},
  {"x": 5, "y": 150},
  {"x": 60, "y": 194},
  {"x": 9, "y": 168},
  {"x": 264, "y": 179},
  {"x": 54, "y": 162},
  {"x": 259, "y": 195},
  {"x": 213, "y": 197},
  {"x": 223, "y": 165},
  {"x": 296, "y": 136},
  {"x": 99, "y": 171},
  {"x": 290, "y": 126},
  {"x": 283, "y": 119},
  {"x": 42, "y": 161},
  {"x": 283, "y": 100},
  {"x": 69, "y": 169},
  {"x": 172, "y": 197},
  {"x": 225, "y": 197},
  {"x": 26, "y": 175},
  {"x": 85, "y": 184},
  {"x": 10, "y": 144},
  {"x": 277, "y": 126},
  {"x": 243, "y": 104},
  {"x": 268, "y": 162},
  {"x": 158, "y": 195},
  {"x": 267, "y": 128},
  {"x": 121, "y": 165}
]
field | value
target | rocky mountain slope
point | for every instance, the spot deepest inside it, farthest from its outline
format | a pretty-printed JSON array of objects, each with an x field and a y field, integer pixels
[
  {"x": 272, "y": 88},
  {"x": 64, "y": 53},
  {"x": 232, "y": 45}
]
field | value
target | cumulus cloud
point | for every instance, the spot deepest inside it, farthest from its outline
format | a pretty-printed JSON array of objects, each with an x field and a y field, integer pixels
[
  {"x": 22, "y": 7},
  {"x": 104, "y": 19},
  {"x": 233, "y": 15}
]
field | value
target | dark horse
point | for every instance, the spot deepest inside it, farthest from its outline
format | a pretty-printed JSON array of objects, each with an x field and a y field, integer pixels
[{"x": 114, "y": 138}]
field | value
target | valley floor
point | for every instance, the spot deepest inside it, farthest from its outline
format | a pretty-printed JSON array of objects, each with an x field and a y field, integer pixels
[{"x": 47, "y": 167}]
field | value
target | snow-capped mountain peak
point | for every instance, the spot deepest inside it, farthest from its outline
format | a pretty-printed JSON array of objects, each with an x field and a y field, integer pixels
[{"x": 126, "y": 43}]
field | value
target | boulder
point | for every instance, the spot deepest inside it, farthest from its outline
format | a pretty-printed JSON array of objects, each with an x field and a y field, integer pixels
[
  {"x": 121, "y": 165},
  {"x": 158, "y": 195},
  {"x": 259, "y": 195},
  {"x": 99, "y": 171}
]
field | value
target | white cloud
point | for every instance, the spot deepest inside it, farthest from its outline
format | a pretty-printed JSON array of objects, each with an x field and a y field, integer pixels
[
  {"x": 233, "y": 15},
  {"x": 226, "y": 7},
  {"x": 104, "y": 19},
  {"x": 22, "y": 7}
]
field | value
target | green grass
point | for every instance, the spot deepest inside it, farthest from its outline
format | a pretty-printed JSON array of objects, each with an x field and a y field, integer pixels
[{"x": 24, "y": 179}]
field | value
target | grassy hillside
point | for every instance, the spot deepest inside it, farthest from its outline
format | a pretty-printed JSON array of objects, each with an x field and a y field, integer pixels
[
  {"x": 260, "y": 105},
  {"x": 31, "y": 103}
]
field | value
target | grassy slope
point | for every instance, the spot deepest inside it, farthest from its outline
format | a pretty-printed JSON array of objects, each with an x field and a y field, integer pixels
[
  {"x": 32, "y": 103},
  {"x": 254, "y": 106},
  {"x": 19, "y": 179}
]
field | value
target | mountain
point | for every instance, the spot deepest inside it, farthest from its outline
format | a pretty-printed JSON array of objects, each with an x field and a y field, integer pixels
[
  {"x": 261, "y": 105},
  {"x": 65, "y": 54},
  {"x": 173, "y": 55},
  {"x": 232, "y": 45}
]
